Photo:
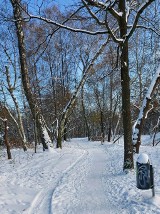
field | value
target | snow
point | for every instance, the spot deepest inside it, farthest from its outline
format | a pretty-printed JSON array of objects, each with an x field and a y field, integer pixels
[
  {"x": 143, "y": 158},
  {"x": 120, "y": 14},
  {"x": 127, "y": 10},
  {"x": 48, "y": 140},
  {"x": 83, "y": 178}
]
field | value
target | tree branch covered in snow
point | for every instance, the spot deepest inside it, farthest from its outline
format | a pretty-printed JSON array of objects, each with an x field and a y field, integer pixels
[
  {"x": 146, "y": 107},
  {"x": 49, "y": 21},
  {"x": 108, "y": 6},
  {"x": 93, "y": 14},
  {"x": 3, "y": 119}
]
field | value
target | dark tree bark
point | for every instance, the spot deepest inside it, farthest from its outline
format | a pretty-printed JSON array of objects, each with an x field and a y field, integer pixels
[
  {"x": 101, "y": 110},
  {"x": 111, "y": 110},
  {"x": 65, "y": 130},
  {"x": 102, "y": 126},
  {"x": 125, "y": 83},
  {"x": 109, "y": 133},
  {"x": 84, "y": 114}
]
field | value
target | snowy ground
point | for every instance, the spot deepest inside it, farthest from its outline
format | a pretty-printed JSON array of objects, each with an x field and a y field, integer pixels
[{"x": 82, "y": 178}]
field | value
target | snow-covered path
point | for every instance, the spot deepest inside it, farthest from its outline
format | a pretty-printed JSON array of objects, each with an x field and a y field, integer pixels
[
  {"x": 82, "y": 178},
  {"x": 82, "y": 187},
  {"x": 84, "y": 190}
]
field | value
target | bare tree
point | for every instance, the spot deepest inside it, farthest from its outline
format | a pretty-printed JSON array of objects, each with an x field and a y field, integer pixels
[
  {"x": 87, "y": 71},
  {"x": 119, "y": 19},
  {"x": 36, "y": 112}
]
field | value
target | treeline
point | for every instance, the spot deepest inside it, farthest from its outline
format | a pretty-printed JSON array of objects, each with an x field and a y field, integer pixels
[{"x": 78, "y": 72}]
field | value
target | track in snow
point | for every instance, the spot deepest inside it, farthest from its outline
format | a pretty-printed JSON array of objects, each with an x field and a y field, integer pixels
[
  {"x": 89, "y": 185},
  {"x": 44, "y": 201},
  {"x": 84, "y": 189}
]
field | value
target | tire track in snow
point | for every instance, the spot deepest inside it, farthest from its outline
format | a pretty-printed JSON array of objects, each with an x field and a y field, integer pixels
[
  {"x": 68, "y": 187},
  {"x": 83, "y": 190},
  {"x": 42, "y": 203}
]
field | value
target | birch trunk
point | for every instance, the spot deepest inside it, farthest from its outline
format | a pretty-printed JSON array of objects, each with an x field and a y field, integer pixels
[
  {"x": 36, "y": 113},
  {"x": 146, "y": 107},
  {"x": 19, "y": 124}
]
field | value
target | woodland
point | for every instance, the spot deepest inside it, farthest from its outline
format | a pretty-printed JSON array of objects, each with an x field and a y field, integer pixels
[{"x": 89, "y": 69}]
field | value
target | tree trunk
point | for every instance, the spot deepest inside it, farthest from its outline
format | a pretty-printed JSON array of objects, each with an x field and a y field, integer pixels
[
  {"x": 19, "y": 121},
  {"x": 101, "y": 109},
  {"x": 65, "y": 130},
  {"x": 24, "y": 72},
  {"x": 126, "y": 110},
  {"x": 155, "y": 131},
  {"x": 102, "y": 126},
  {"x": 125, "y": 83},
  {"x": 146, "y": 106},
  {"x": 6, "y": 140},
  {"x": 60, "y": 136},
  {"x": 109, "y": 133},
  {"x": 72, "y": 100},
  {"x": 84, "y": 114}
]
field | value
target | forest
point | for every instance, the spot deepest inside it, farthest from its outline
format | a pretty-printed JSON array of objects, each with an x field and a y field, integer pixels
[{"x": 88, "y": 69}]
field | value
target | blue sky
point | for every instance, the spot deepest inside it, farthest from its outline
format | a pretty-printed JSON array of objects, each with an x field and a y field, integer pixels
[
  {"x": 61, "y": 3},
  {"x": 65, "y": 3}
]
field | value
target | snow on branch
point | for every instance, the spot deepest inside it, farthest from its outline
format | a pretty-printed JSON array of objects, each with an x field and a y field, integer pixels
[
  {"x": 111, "y": 32},
  {"x": 105, "y": 6},
  {"x": 97, "y": 3},
  {"x": 127, "y": 10},
  {"x": 49, "y": 21},
  {"x": 92, "y": 14},
  {"x": 146, "y": 107},
  {"x": 3, "y": 119}
]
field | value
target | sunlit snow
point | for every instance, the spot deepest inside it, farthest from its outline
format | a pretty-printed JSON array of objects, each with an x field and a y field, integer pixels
[{"x": 82, "y": 178}]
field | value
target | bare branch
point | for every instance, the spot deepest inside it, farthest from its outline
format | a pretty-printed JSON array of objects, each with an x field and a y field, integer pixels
[
  {"x": 49, "y": 21},
  {"x": 111, "y": 33},
  {"x": 93, "y": 14},
  {"x": 139, "y": 12},
  {"x": 98, "y": 4},
  {"x": 105, "y": 6},
  {"x": 13, "y": 65},
  {"x": 157, "y": 32},
  {"x": 53, "y": 32},
  {"x": 3, "y": 119}
]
